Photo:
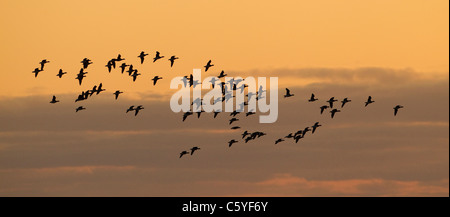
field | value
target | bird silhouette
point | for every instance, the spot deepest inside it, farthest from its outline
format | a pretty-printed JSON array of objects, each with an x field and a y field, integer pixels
[
  {"x": 135, "y": 74},
  {"x": 157, "y": 56},
  {"x": 137, "y": 109},
  {"x": 123, "y": 66},
  {"x": 183, "y": 153},
  {"x": 119, "y": 58},
  {"x": 249, "y": 113},
  {"x": 80, "y": 77},
  {"x": 117, "y": 93},
  {"x": 235, "y": 127},
  {"x": 322, "y": 108},
  {"x": 289, "y": 136},
  {"x": 86, "y": 62},
  {"x": 155, "y": 79},
  {"x": 315, "y": 126},
  {"x": 246, "y": 133},
  {"x": 61, "y": 73},
  {"x": 186, "y": 114},
  {"x": 80, "y": 108},
  {"x": 231, "y": 142},
  {"x": 193, "y": 149},
  {"x": 312, "y": 99},
  {"x": 100, "y": 89},
  {"x": 369, "y": 101},
  {"x": 334, "y": 112},
  {"x": 142, "y": 56},
  {"x": 234, "y": 113},
  {"x": 222, "y": 74},
  {"x": 233, "y": 120},
  {"x": 36, "y": 72},
  {"x": 298, "y": 137},
  {"x": 396, "y": 108},
  {"x": 208, "y": 65},
  {"x": 109, "y": 65},
  {"x": 130, "y": 70},
  {"x": 288, "y": 93},
  {"x": 172, "y": 60},
  {"x": 130, "y": 109},
  {"x": 54, "y": 100},
  {"x": 346, "y": 100},
  {"x": 278, "y": 141},
  {"x": 43, "y": 62},
  {"x": 331, "y": 101}
]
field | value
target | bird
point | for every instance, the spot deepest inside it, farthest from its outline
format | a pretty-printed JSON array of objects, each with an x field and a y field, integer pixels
[
  {"x": 116, "y": 94},
  {"x": 289, "y": 136},
  {"x": 346, "y": 100},
  {"x": 142, "y": 56},
  {"x": 231, "y": 142},
  {"x": 193, "y": 149},
  {"x": 249, "y": 113},
  {"x": 315, "y": 126},
  {"x": 130, "y": 70},
  {"x": 86, "y": 62},
  {"x": 183, "y": 153},
  {"x": 235, "y": 127},
  {"x": 36, "y": 72},
  {"x": 123, "y": 66},
  {"x": 396, "y": 108},
  {"x": 222, "y": 74},
  {"x": 278, "y": 141},
  {"x": 155, "y": 79},
  {"x": 157, "y": 56},
  {"x": 334, "y": 112},
  {"x": 109, "y": 65},
  {"x": 135, "y": 74},
  {"x": 331, "y": 101},
  {"x": 312, "y": 99},
  {"x": 80, "y": 78},
  {"x": 43, "y": 62},
  {"x": 80, "y": 108},
  {"x": 233, "y": 120},
  {"x": 61, "y": 73},
  {"x": 305, "y": 131},
  {"x": 137, "y": 109},
  {"x": 234, "y": 113},
  {"x": 369, "y": 101},
  {"x": 172, "y": 60},
  {"x": 208, "y": 65},
  {"x": 119, "y": 58},
  {"x": 288, "y": 93},
  {"x": 54, "y": 100},
  {"x": 215, "y": 114},
  {"x": 298, "y": 137},
  {"x": 130, "y": 109},
  {"x": 246, "y": 133},
  {"x": 322, "y": 108},
  {"x": 100, "y": 89},
  {"x": 186, "y": 114}
]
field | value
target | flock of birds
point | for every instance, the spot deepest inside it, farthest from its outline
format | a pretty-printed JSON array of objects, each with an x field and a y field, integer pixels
[{"x": 227, "y": 89}]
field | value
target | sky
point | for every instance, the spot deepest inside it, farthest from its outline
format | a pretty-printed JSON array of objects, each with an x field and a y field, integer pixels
[{"x": 395, "y": 51}]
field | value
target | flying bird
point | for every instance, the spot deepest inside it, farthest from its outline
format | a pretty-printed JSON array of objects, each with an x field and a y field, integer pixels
[
  {"x": 369, "y": 101},
  {"x": 157, "y": 56},
  {"x": 322, "y": 108},
  {"x": 193, "y": 149},
  {"x": 331, "y": 101},
  {"x": 288, "y": 93},
  {"x": 80, "y": 108},
  {"x": 155, "y": 79},
  {"x": 123, "y": 66},
  {"x": 346, "y": 100},
  {"x": 183, "y": 153},
  {"x": 222, "y": 74},
  {"x": 137, "y": 109},
  {"x": 246, "y": 133},
  {"x": 215, "y": 114},
  {"x": 172, "y": 60},
  {"x": 61, "y": 73},
  {"x": 43, "y": 62},
  {"x": 312, "y": 99},
  {"x": 396, "y": 108},
  {"x": 117, "y": 93},
  {"x": 235, "y": 128},
  {"x": 231, "y": 142},
  {"x": 130, "y": 109},
  {"x": 54, "y": 100},
  {"x": 334, "y": 112},
  {"x": 135, "y": 74},
  {"x": 233, "y": 120},
  {"x": 142, "y": 56},
  {"x": 100, "y": 89},
  {"x": 278, "y": 141},
  {"x": 86, "y": 62},
  {"x": 36, "y": 72},
  {"x": 119, "y": 58},
  {"x": 186, "y": 114},
  {"x": 208, "y": 65},
  {"x": 315, "y": 126},
  {"x": 109, "y": 65}
]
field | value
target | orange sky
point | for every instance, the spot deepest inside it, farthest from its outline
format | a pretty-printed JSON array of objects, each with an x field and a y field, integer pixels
[{"x": 237, "y": 35}]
